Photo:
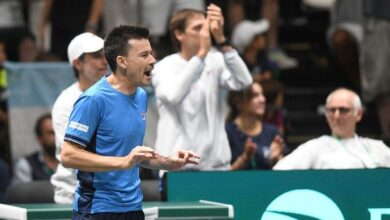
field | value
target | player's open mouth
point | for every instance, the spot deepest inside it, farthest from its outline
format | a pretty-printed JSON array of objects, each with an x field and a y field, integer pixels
[{"x": 148, "y": 73}]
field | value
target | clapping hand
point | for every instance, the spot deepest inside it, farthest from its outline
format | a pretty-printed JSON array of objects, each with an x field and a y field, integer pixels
[
  {"x": 276, "y": 149},
  {"x": 204, "y": 39},
  {"x": 214, "y": 14},
  {"x": 250, "y": 148}
]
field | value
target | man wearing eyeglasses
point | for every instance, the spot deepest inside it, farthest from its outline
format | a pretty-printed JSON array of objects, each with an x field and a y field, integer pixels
[{"x": 343, "y": 149}]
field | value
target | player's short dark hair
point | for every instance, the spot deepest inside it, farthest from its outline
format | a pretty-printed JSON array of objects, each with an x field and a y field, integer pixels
[{"x": 116, "y": 42}]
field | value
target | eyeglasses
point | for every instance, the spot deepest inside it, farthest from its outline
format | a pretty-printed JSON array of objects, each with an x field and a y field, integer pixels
[{"x": 342, "y": 110}]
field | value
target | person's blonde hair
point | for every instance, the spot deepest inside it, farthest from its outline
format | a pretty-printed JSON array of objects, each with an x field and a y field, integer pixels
[{"x": 179, "y": 21}]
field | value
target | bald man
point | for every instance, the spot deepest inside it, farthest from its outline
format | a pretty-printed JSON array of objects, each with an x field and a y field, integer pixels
[{"x": 343, "y": 149}]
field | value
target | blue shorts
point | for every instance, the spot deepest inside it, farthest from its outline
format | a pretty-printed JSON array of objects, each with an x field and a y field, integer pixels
[{"x": 134, "y": 215}]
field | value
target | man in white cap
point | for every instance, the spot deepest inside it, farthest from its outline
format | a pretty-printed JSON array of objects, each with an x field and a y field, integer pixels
[
  {"x": 250, "y": 39},
  {"x": 246, "y": 31},
  {"x": 85, "y": 54}
]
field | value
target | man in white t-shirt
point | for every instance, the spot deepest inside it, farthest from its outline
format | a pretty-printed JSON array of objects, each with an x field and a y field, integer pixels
[
  {"x": 85, "y": 54},
  {"x": 190, "y": 87},
  {"x": 344, "y": 149}
]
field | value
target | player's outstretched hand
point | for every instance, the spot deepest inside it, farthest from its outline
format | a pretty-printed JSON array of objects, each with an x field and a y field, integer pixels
[
  {"x": 138, "y": 154},
  {"x": 183, "y": 157}
]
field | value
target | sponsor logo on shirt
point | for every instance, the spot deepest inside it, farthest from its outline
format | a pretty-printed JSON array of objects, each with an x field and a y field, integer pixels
[
  {"x": 78, "y": 126},
  {"x": 143, "y": 115}
]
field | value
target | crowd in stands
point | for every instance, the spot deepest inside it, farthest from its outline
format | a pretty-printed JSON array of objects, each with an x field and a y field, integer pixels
[{"x": 218, "y": 95}]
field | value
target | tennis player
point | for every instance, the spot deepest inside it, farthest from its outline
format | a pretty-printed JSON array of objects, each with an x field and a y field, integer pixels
[{"x": 106, "y": 129}]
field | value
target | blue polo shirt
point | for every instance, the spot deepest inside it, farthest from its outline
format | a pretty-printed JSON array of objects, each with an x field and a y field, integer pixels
[{"x": 107, "y": 122}]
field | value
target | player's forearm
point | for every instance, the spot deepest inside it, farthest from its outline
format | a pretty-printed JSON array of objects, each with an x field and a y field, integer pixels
[{"x": 74, "y": 156}]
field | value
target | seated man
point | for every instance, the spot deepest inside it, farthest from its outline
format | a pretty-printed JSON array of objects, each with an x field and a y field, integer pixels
[
  {"x": 344, "y": 149},
  {"x": 39, "y": 165}
]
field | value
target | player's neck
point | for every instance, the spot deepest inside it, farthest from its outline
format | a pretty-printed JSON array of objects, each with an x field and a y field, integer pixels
[{"x": 121, "y": 84}]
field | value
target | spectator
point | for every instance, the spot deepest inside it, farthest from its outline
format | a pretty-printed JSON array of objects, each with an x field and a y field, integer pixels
[
  {"x": 106, "y": 130},
  {"x": 344, "y": 149},
  {"x": 42, "y": 164},
  {"x": 253, "y": 143},
  {"x": 152, "y": 14},
  {"x": 254, "y": 10},
  {"x": 345, "y": 36},
  {"x": 85, "y": 55},
  {"x": 250, "y": 38},
  {"x": 68, "y": 19},
  {"x": 20, "y": 41},
  {"x": 190, "y": 87},
  {"x": 375, "y": 60}
]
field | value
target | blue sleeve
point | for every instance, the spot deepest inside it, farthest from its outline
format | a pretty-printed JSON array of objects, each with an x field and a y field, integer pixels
[{"x": 83, "y": 121}]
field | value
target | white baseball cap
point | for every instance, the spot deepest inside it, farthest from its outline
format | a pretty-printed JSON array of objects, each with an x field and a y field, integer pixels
[
  {"x": 246, "y": 30},
  {"x": 84, "y": 43}
]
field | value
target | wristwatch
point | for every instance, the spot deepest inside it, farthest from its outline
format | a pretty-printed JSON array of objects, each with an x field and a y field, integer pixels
[{"x": 223, "y": 44}]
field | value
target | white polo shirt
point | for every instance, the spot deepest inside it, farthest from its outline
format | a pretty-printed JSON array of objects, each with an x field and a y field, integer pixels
[{"x": 64, "y": 179}]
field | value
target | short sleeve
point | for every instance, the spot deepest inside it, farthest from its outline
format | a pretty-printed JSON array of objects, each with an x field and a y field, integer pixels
[{"x": 83, "y": 121}]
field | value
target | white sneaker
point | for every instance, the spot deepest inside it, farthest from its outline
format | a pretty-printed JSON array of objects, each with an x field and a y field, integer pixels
[{"x": 282, "y": 60}]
